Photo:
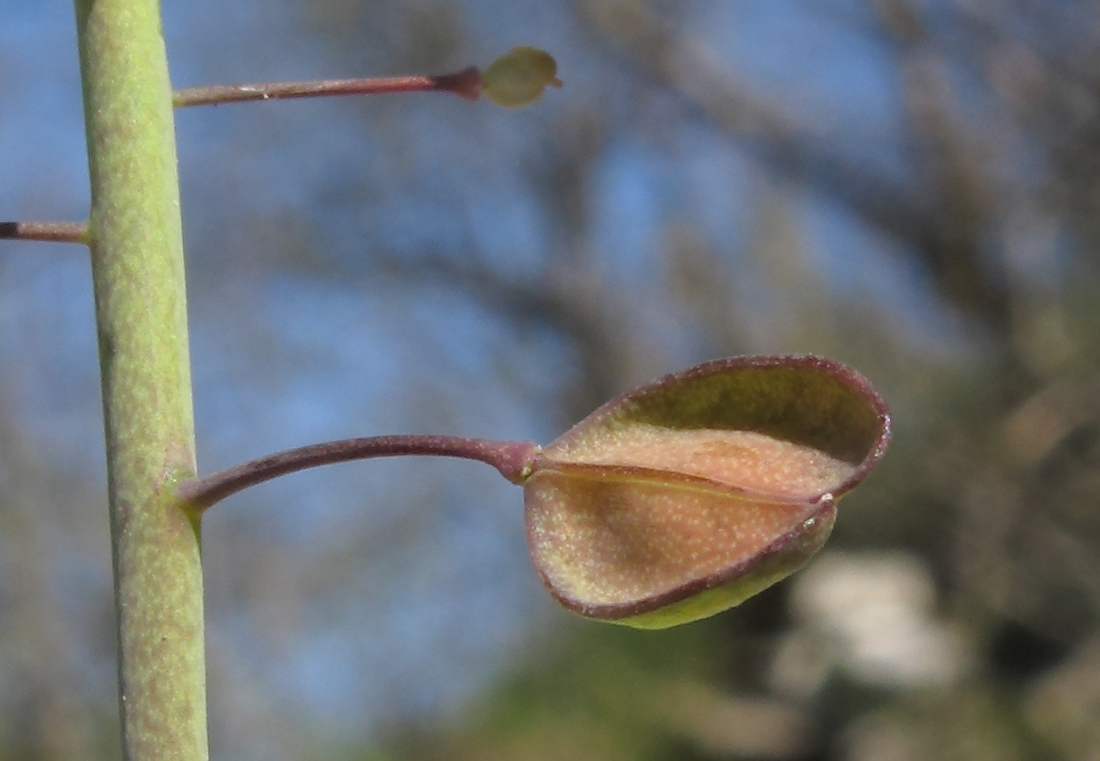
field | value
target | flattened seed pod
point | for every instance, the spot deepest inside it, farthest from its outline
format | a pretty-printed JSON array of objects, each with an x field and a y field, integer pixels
[{"x": 687, "y": 496}]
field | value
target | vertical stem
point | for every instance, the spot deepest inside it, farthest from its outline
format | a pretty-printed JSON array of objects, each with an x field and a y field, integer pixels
[{"x": 134, "y": 232}]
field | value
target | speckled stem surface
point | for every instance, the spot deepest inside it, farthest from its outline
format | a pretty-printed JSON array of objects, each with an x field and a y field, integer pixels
[{"x": 134, "y": 233}]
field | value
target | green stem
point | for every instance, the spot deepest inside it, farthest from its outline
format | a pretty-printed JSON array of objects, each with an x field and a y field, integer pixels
[{"x": 134, "y": 233}]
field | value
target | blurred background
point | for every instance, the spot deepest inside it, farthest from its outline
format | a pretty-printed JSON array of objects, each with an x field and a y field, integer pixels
[{"x": 910, "y": 186}]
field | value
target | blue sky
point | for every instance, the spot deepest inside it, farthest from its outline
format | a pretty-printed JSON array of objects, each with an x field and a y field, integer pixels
[{"x": 282, "y": 358}]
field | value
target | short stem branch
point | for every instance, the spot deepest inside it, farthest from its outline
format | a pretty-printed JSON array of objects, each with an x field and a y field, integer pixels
[
  {"x": 466, "y": 83},
  {"x": 511, "y": 458},
  {"x": 49, "y": 232}
]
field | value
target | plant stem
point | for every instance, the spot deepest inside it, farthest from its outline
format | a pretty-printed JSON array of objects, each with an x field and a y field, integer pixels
[
  {"x": 466, "y": 83},
  {"x": 134, "y": 232},
  {"x": 48, "y": 232},
  {"x": 511, "y": 458}
]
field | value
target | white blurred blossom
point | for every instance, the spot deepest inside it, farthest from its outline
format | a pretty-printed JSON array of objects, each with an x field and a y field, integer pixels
[{"x": 873, "y": 615}]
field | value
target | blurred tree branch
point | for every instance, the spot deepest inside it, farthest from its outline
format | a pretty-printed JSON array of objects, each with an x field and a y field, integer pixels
[{"x": 945, "y": 205}]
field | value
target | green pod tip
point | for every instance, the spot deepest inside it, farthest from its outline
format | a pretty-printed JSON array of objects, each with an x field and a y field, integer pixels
[{"x": 519, "y": 77}]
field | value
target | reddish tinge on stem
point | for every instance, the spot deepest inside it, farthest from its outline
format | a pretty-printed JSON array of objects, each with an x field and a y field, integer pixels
[
  {"x": 465, "y": 83},
  {"x": 46, "y": 232},
  {"x": 512, "y": 458}
]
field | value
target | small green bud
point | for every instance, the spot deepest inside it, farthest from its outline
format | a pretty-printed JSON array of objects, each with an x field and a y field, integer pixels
[
  {"x": 517, "y": 78},
  {"x": 687, "y": 496}
]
